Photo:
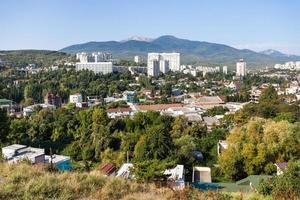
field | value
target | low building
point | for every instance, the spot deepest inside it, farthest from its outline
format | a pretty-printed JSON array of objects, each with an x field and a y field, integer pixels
[
  {"x": 108, "y": 169},
  {"x": 129, "y": 96},
  {"x": 27, "y": 111},
  {"x": 210, "y": 122},
  {"x": 119, "y": 112},
  {"x": 176, "y": 177},
  {"x": 94, "y": 99},
  {"x": 75, "y": 98},
  {"x": 201, "y": 174},
  {"x": 82, "y": 104},
  {"x": 16, "y": 153},
  {"x": 234, "y": 106},
  {"x": 124, "y": 171},
  {"x": 280, "y": 167},
  {"x": 61, "y": 162},
  {"x": 6, "y": 104},
  {"x": 191, "y": 114},
  {"x": 204, "y": 101}
]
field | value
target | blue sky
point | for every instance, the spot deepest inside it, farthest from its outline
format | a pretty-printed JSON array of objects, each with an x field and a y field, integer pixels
[{"x": 54, "y": 24}]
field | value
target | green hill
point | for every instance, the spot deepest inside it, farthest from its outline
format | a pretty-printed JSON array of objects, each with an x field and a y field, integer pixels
[{"x": 192, "y": 52}]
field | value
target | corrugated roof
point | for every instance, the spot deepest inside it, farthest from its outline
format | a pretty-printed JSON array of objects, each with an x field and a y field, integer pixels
[{"x": 107, "y": 168}]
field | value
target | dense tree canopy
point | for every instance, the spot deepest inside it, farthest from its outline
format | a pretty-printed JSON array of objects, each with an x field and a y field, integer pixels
[{"x": 257, "y": 145}]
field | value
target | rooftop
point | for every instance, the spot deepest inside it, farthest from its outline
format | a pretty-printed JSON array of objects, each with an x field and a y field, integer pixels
[
  {"x": 107, "y": 168},
  {"x": 15, "y": 147},
  {"x": 5, "y": 101},
  {"x": 282, "y": 165},
  {"x": 112, "y": 110},
  {"x": 157, "y": 107},
  {"x": 57, "y": 158}
]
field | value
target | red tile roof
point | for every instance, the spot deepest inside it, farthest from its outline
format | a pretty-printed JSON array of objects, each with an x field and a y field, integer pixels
[
  {"x": 158, "y": 107},
  {"x": 112, "y": 110}
]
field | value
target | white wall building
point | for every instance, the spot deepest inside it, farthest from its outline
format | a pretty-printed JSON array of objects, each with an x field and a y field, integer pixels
[
  {"x": 96, "y": 67},
  {"x": 76, "y": 98},
  {"x": 139, "y": 59},
  {"x": 225, "y": 69},
  {"x": 172, "y": 58},
  {"x": 241, "y": 68},
  {"x": 98, "y": 62},
  {"x": 164, "y": 66},
  {"x": 153, "y": 68}
]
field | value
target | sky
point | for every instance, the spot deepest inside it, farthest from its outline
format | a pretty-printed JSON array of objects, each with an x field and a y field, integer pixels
[{"x": 55, "y": 24}]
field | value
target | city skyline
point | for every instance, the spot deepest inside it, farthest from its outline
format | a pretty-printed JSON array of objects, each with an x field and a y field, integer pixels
[{"x": 56, "y": 24}]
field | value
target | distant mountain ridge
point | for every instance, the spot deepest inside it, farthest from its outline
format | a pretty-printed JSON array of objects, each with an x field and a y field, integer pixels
[{"x": 192, "y": 52}]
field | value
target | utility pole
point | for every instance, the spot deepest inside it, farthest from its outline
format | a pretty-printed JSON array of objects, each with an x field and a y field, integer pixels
[{"x": 51, "y": 156}]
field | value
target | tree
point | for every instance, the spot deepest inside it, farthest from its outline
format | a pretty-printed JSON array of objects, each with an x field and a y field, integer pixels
[
  {"x": 158, "y": 143},
  {"x": 151, "y": 170},
  {"x": 4, "y": 126},
  {"x": 100, "y": 137},
  {"x": 269, "y": 96},
  {"x": 287, "y": 186},
  {"x": 284, "y": 186},
  {"x": 256, "y": 146}
]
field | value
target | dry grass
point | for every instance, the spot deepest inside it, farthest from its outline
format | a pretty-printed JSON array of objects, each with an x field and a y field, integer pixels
[{"x": 22, "y": 181}]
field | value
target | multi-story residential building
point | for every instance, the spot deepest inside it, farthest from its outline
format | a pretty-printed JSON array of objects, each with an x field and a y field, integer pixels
[
  {"x": 288, "y": 66},
  {"x": 96, "y": 67},
  {"x": 241, "y": 68},
  {"x": 98, "y": 62},
  {"x": 172, "y": 58},
  {"x": 225, "y": 69},
  {"x": 84, "y": 57},
  {"x": 153, "y": 68},
  {"x": 139, "y": 59},
  {"x": 164, "y": 66}
]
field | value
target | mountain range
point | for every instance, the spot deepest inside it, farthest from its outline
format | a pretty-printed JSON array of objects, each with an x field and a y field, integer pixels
[{"x": 192, "y": 52}]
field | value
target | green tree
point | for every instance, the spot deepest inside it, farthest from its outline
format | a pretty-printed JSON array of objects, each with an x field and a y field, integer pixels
[{"x": 4, "y": 126}]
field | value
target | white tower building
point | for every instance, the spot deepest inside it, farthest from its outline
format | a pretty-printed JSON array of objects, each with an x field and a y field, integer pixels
[
  {"x": 241, "y": 68},
  {"x": 225, "y": 69},
  {"x": 153, "y": 68},
  {"x": 172, "y": 58}
]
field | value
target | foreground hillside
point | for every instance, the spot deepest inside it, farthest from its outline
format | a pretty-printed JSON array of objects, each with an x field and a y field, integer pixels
[{"x": 22, "y": 181}]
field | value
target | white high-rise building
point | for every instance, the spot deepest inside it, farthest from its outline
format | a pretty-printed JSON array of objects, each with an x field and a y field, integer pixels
[
  {"x": 173, "y": 58},
  {"x": 164, "y": 66},
  {"x": 139, "y": 59},
  {"x": 84, "y": 57},
  {"x": 225, "y": 69},
  {"x": 98, "y": 62},
  {"x": 153, "y": 68},
  {"x": 241, "y": 68}
]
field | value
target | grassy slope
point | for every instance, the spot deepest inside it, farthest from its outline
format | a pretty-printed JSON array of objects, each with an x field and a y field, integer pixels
[{"x": 22, "y": 181}]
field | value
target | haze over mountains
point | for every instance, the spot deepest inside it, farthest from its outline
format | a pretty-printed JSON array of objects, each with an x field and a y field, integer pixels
[{"x": 192, "y": 52}]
